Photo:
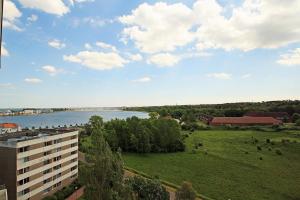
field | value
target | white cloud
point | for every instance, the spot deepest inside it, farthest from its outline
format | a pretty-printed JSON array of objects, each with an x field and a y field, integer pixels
[
  {"x": 142, "y": 80},
  {"x": 33, "y": 80},
  {"x": 245, "y": 76},
  {"x": 106, "y": 46},
  {"x": 164, "y": 60},
  {"x": 72, "y": 2},
  {"x": 51, "y": 70},
  {"x": 135, "y": 57},
  {"x": 97, "y": 60},
  {"x": 56, "y": 44},
  {"x": 4, "y": 51},
  {"x": 291, "y": 58},
  {"x": 254, "y": 24},
  {"x": 159, "y": 27},
  {"x": 87, "y": 46},
  {"x": 32, "y": 18},
  {"x": 55, "y": 7},
  {"x": 11, "y": 15},
  {"x": 222, "y": 76}
]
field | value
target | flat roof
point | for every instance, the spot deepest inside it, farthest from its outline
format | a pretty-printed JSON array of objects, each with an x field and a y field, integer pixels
[{"x": 34, "y": 134}]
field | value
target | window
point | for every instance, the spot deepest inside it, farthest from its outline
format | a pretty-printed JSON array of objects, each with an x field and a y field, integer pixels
[
  {"x": 47, "y": 153},
  {"x": 57, "y": 184},
  {"x": 57, "y": 141},
  {"x": 73, "y": 152},
  {"x": 57, "y": 158},
  {"x": 23, "y": 149},
  {"x": 47, "y": 171},
  {"x": 47, "y": 180},
  {"x": 74, "y": 144},
  {"x": 74, "y": 160},
  {"x": 23, "y": 192},
  {"x": 46, "y": 162},
  {"x": 58, "y": 149},
  {"x": 24, "y": 170},
  {"x": 48, "y": 143},
  {"x": 24, "y": 181},
  {"x": 56, "y": 176},
  {"x": 57, "y": 167},
  {"x": 26, "y": 159},
  {"x": 73, "y": 168}
]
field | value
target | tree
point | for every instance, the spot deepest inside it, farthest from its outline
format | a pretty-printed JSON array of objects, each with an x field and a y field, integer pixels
[
  {"x": 104, "y": 175},
  {"x": 153, "y": 115},
  {"x": 185, "y": 192},
  {"x": 295, "y": 117},
  {"x": 298, "y": 122},
  {"x": 147, "y": 189}
]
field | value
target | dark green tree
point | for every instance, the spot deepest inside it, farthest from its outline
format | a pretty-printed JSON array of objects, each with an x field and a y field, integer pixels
[
  {"x": 104, "y": 175},
  {"x": 146, "y": 189}
]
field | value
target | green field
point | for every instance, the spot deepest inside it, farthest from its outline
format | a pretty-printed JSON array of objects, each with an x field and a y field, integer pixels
[{"x": 226, "y": 171}]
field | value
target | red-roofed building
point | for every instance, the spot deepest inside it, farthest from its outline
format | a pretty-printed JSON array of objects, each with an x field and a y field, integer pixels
[
  {"x": 9, "y": 128},
  {"x": 244, "y": 121}
]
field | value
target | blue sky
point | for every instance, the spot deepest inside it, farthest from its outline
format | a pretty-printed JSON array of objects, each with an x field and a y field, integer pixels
[{"x": 69, "y": 53}]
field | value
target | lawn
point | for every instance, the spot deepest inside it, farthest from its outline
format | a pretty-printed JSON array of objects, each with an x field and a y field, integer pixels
[{"x": 230, "y": 166}]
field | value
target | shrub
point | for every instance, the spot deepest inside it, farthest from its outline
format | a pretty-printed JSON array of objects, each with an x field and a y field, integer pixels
[
  {"x": 194, "y": 151},
  {"x": 270, "y": 149},
  {"x": 246, "y": 152},
  {"x": 260, "y": 158},
  {"x": 147, "y": 189},
  {"x": 259, "y": 148},
  {"x": 268, "y": 140},
  {"x": 272, "y": 143},
  {"x": 185, "y": 192},
  {"x": 278, "y": 152}
]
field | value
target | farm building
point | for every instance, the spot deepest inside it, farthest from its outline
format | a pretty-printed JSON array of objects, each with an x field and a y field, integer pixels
[
  {"x": 283, "y": 116},
  {"x": 244, "y": 121}
]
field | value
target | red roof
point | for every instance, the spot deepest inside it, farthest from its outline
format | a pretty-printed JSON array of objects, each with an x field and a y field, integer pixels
[
  {"x": 244, "y": 120},
  {"x": 9, "y": 125}
]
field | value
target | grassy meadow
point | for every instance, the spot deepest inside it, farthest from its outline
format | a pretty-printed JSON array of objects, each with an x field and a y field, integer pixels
[{"x": 230, "y": 165}]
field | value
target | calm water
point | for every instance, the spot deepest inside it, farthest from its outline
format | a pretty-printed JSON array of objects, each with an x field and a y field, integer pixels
[{"x": 68, "y": 118}]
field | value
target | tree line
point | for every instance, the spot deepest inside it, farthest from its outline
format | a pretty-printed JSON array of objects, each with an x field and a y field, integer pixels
[{"x": 143, "y": 135}]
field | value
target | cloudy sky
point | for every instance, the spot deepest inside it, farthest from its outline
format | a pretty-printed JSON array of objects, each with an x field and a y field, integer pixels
[{"x": 58, "y": 53}]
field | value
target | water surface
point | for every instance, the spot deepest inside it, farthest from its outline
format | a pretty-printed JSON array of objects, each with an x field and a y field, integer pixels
[{"x": 68, "y": 118}]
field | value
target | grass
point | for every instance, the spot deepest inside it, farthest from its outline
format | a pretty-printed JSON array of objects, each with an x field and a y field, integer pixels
[{"x": 228, "y": 165}]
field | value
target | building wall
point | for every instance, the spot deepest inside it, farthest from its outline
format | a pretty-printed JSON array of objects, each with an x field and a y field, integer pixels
[
  {"x": 8, "y": 166},
  {"x": 50, "y": 162}
]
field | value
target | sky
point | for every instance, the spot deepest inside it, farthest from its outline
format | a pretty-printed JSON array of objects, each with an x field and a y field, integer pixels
[{"x": 86, "y": 53}]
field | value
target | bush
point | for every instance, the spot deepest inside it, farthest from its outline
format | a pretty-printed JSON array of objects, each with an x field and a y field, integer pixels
[
  {"x": 185, "y": 192},
  {"x": 268, "y": 140},
  {"x": 259, "y": 148},
  {"x": 147, "y": 189},
  {"x": 260, "y": 158},
  {"x": 278, "y": 152}
]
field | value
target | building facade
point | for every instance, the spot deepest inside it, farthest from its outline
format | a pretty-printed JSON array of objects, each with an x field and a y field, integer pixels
[{"x": 37, "y": 164}]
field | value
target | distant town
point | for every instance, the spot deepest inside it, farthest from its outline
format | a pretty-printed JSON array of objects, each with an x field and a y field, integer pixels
[{"x": 28, "y": 111}]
